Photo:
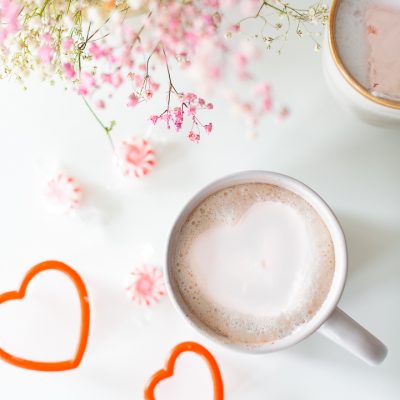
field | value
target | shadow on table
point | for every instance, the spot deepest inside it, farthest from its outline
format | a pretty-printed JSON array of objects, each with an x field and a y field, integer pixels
[{"x": 368, "y": 241}]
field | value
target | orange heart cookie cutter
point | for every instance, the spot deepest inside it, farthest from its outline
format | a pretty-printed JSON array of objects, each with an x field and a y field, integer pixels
[
  {"x": 168, "y": 370},
  {"x": 85, "y": 318}
]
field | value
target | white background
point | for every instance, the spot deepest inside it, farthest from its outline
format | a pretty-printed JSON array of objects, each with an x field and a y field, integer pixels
[{"x": 355, "y": 167}]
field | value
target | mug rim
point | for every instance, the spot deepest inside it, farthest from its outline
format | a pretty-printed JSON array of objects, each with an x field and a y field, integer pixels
[
  {"x": 334, "y": 228},
  {"x": 342, "y": 68}
]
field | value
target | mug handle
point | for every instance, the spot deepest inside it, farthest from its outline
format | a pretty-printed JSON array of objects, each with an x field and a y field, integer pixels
[{"x": 346, "y": 332}]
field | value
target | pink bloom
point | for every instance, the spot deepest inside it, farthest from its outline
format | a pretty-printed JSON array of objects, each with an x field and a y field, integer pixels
[
  {"x": 189, "y": 97},
  {"x": 46, "y": 37},
  {"x": 82, "y": 90},
  {"x": 191, "y": 38},
  {"x": 154, "y": 86},
  {"x": 88, "y": 79},
  {"x": 138, "y": 80},
  {"x": 212, "y": 3},
  {"x": 95, "y": 51},
  {"x": 241, "y": 60},
  {"x": 46, "y": 53},
  {"x": 69, "y": 71},
  {"x": 214, "y": 72},
  {"x": 147, "y": 287},
  {"x": 178, "y": 118},
  {"x": 8, "y": 18},
  {"x": 117, "y": 80},
  {"x": 194, "y": 137},
  {"x": 262, "y": 89},
  {"x": 267, "y": 104},
  {"x": 68, "y": 43},
  {"x": 208, "y": 127},
  {"x": 235, "y": 28},
  {"x": 154, "y": 119},
  {"x": 112, "y": 59},
  {"x": 283, "y": 114},
  {"x": 166, "y": 116},
  {"x": 148, "y": 94},
  {"x": 209, "y": 106},
  {"x": 107, "y": 78},
  {"x": 178, "y": 125},
  {"x": 101, "y": 104},
  {"x": 87, "y": 84},
  {"x": 246, "y": 107},
  {"x": 178, "y": 113},
  {"x": 133, "y": 100}
]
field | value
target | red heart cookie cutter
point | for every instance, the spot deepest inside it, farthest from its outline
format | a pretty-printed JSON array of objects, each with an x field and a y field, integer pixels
[
  {"x": 168, "y": 371},
  {"x": 85, "y": 318}
]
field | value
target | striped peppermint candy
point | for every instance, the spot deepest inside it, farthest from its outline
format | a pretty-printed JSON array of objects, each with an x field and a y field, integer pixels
[
  {"x": 147, "y": 287},
  {"x": 62, "y": 193},
  {"x": 135, "y": 157}
]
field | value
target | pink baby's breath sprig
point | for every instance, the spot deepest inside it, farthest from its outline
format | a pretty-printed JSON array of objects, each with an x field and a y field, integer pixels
[
  {"x": 147, "y": 287},
  {"x": 187, "y": 109},
  {"x": 62, "y": 193},
  {"x": 98, "y": 47},
  {"x": 135, "y": 157}
]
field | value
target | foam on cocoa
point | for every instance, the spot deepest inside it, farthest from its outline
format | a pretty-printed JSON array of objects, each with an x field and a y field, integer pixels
[{"x": 311, "y": 285}]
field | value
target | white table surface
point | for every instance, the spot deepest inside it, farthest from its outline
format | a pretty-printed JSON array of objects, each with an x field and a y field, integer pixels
[{"x": 355, "y": 167}]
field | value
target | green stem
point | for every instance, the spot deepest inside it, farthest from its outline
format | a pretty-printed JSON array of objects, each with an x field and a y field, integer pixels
[
  {"x": 107, "y": 129},
  {"x": 45, "y": 4},
  {"x": 272, "y": 6}
]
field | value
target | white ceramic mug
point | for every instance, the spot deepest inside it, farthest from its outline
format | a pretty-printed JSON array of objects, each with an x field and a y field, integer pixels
[
  {"x": 329, "y": 320},
  {"x": 349, "y": 92}
]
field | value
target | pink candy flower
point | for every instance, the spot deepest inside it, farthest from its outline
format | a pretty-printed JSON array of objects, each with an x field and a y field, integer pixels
[
  {"x": 135, "y": 157},
  {"x": 147, "y": 287}
]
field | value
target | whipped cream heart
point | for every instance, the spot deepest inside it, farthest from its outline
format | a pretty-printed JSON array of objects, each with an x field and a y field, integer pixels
[{"x": 253, "y": 262}]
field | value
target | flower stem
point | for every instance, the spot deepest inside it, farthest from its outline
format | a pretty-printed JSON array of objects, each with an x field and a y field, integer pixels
[
  {"x": 46, "y": 2},
  {"x": 107, "y": 129}
]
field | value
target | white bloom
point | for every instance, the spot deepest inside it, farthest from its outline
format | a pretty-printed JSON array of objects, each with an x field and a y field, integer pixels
[
  {"x": 94, "y": 15},
  {"x": 68, "y": 22},
  {"x": 136, "y": 4},
  {"x": 35, "y": 22}
]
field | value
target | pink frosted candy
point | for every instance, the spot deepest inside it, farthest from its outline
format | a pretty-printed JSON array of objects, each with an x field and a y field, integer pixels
[
  {"x": 136, "y": 157},
  {"x": 147, "y": 287},
  {"x": 62, "y": 193}
]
